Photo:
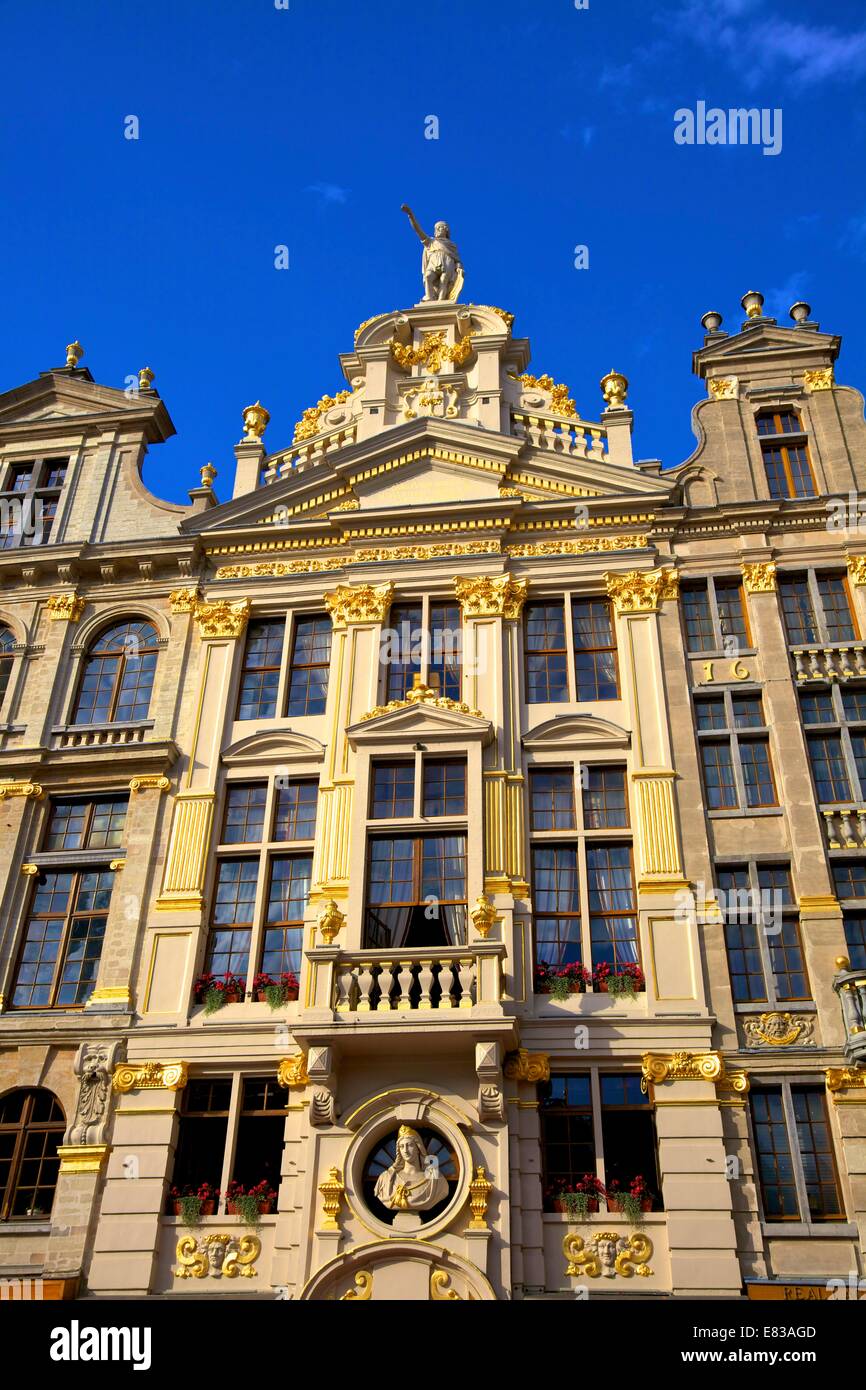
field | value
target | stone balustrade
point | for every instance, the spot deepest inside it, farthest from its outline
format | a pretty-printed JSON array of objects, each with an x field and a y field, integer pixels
[
  {"x": 100, "y": 735},
  {"x": 850, "y": 985},
  {"x": 308, "y": 452},
  {"x": 447, "y": 980},
  {"x": 845, "y": 827},
  {"x": 572, "y": 438},
  {"x": 842, "y": 661}
]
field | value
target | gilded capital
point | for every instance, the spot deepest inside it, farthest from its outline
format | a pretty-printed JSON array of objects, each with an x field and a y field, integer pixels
[
  {"x": 148, "y": 781},
  {"x": 491, "y": 596},
  {"x": 149, "y": 1076},
  {"x": 66, "y": 608},
  {"x": 845, "y": 1078},
  {"x": 690, "y": 1066},
  {"x": 523, "y": 1065},
  {"x": 642, "y": 591},
  {"x": 222, "y": 618},
  {"x": 31, "y": 790},
  {"x": 359, "y": 603},
  {"x": 759, "y": 577},
  {"x": 183, "y": 600},
  {"x": 857, "y": 569},
  {"x": 819, "y": 379}
]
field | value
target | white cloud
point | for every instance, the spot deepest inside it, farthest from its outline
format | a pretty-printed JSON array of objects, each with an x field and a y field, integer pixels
[{"x": 329, "y": 192}]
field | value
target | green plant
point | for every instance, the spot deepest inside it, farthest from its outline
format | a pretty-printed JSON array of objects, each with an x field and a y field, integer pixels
[{"x": 190, "y": 1209}]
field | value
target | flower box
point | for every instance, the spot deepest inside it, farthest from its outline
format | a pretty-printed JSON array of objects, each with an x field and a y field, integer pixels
[
  {"x": 560, "y": 1204},
  {"x": 206, "y": 1209},
  {"x": 615, "y": 1204}
]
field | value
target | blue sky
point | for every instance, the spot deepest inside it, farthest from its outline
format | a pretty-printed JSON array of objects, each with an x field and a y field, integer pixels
[{"x": 304, "y": 127}]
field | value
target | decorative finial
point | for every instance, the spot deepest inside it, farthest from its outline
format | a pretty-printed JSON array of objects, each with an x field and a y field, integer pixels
[
  {"x": 800, "y": 311},
  {"x": 712, "y": 321},
  {"x": 208, "y": 473},
  {"x": 256, "y": 420},
  {"x": 753, "y": 303},
  {"x": 74, "y": 353},
  {"x": 331, "y": 922},
  {"x": 614, "y": 388},
  {"x": 441, "y": 266},
  {"x": 843, "y": 963},
  {"x": 145, "y": 379}
]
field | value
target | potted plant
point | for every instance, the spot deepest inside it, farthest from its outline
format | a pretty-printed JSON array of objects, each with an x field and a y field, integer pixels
[
  {"x": 202, "y": 985},
  {"x": 627, "y": 979},
  {"x": 562, "y": 980},
  {"x": 580, "y": 1198},
  {"x": 273, "y": 992},
  {"x": 633, "y": 1202},
  {"x": 250, "y": 1203},
  {"x": 217, "y": 992},
  {"x": 192, "y": 1203}
]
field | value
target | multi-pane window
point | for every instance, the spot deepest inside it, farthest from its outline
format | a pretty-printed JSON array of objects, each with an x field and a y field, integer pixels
[
  {"x": 599, "y": 1123},
  {"x": 442, "y": 784},
  {"x": 785, "y": 452},
  {"x": 738, "y": 773},
  {"x": 588, "y": 670},
  {"x": 796, "y": 1163},
  {"x": 855, "y": 939},
  {"x": 230, "y": 1133},
  {"x": 29, "y": 500},
  {"x": 31, "y": 1129},
  {"x": 79, "y": 823},
  {"x": 583, "y": 892},
  {"x": 259, "y": 898},
  {"x": 714, "y": 613},
  {"x": 202, "y": 1132},
  {"x": 7, "y": 646},
  {"x": 816, "y": 607},
  {"x": 849, "y": 881},
  {"x": 834, "y": 718},
  {"x": 260, "y": 677},
  {"x": 416, "y": 890},
  {"x": 117, "y": 678},
  {"x": 308, "y": 671},
  {"x": 423, "y": 639},
  {"x": 59, "y": 957},
  {"x": 762, "y": 934}
]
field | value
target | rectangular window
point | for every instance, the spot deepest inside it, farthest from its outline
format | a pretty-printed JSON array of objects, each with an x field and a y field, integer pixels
[
  {"x": 404, "y": 655},
  {"x": 796, "y": 1163},
  {"x": 287, "y": 897},
  {"x": 444, "y": 787},
  {"x": 595, "y": 663},
  {"x": 556, "y": 903},
  {"x": 244, "y": 822},
  {"x": 392, "y": 792},
  {"x": 762, "y": 934},
  {"x": 786, "y": 460},
  {"x": 30, "y": 498},
  {"x": 816, "y": 607},
  {"x": 719, "y": 781},
  {"x": 713, "y": 611},
  {"x": 63, "y": 938},
  {"x": 612, "y": 905},
  {"x": 295, "y": 813},
  {"x": 446, "y": 636},
  {"x": 308, "y": 671},
  {"x": 202, "y": 1133},
  {"x": 833, "y": 591},
  {"x": 232, "y": 920},
  {"x": 575, "y": 1110},
  {"x": 849, "y": 877},
  {"x": 738, "y": 773},
  {"x": 416, "y": 891},
  {"x": 260, "y": 677},
  {"x": 546, "y": 653},
  {"x": 551, "y": 799},
  {"x": 605, "y": 804},
  {"x": 855, "y": 939},
  {"x": 828, "y": 767},
  {"x": 628, "y": 1135},
  {"x": 86, "y": 824},
  {"x": 567, "y": 1134},
  {"x": 837, "y": 755},
  {"x": 261, "y": 1133},
  {"x": 757, "y": 775}
]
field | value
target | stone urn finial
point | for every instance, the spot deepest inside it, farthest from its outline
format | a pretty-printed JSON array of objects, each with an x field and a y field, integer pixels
[
  {"x": 145, "y": 379},
  {"x": 753, "y": 303},
  {"x": 256, "y": 419},
  {"x": 614, "y": 388},
  {"x": 208, "y": 473},
  {"x": 74, "y": 353},
  {"x": 331, "y": 922}
]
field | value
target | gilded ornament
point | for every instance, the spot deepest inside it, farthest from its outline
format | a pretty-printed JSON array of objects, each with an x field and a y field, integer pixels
[
  {"x": 363, "y": 1290},
  {"x": 116, "y": 865},
  {"x": 527, "y": 1066},
  {"x": 608, "y": 1254},
  {"x": 311, "y": 421},
  {"x": 614, "y": 388},
  {"x": 145, "y": 379},
  {"x": 819, "y": 379},
  {"x": 845, "y": 1078},
  {"x": 331, "y": 922},
  {"x": 218, "y": 1254},
  {"x": 560, "y": 399},
  {"x": 642, "y": 591},
  {"x": 149, "y": 781},
  {"x": 184, "y": 600},
  {"x": 82, "y": 1158},
  {"x": 74, "y": 353},
  {"x": 503, "y": 314},
  {"x": 350, "y": 504},
  {"x": 66, "y": 608},
  {"x": 277, "y": 568},
  {"x": 759, "y": 577},
  {"x": 256, "y": 419},
  {"x": 440, "y": 1287},
  {"x": 588, "y": 545},
  {"x": 491, "y": 596},
  {"x": 150, "y": 1076},
  {"x": 777, "y": 1029},
  {"x": 30, "y": 870},
  {"x": 483, "y": 915},
  {"x": 722, "y": 388},
  {"x": 436, "y": 551},
  {"x": 222, "y": 618},
  {"x": 292, "y": 1071},
  {"x": 857, "y": 569},
  {"x": 28, "y": 789},
  {"x": 366, "y": 324},
  {"x": 208, "y": 474},
  {"x": 433, "y": 352},
  {"x": 480, "y": 1189},
  {"x": 359, "y": 603},
  {"x": 425, "y": 695},
  {"x": 657, "y": 1067},
  {"x": 332, "y": 1190}
]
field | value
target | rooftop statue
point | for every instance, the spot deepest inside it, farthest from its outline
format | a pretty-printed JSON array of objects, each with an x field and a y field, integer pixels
[{"x": 441, "y": 266}]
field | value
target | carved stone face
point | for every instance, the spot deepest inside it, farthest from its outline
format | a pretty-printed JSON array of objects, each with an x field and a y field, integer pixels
[
  {"x": 407, "y": 1149},
  {"x": 442, "y": 230},
  {"x": 606, "y": 1255}
]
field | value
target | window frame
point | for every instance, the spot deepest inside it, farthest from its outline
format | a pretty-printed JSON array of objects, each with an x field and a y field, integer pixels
[
  {"x": 119, "y": 656},
  {"x": 842, "y": 726},
  {"x": 22, "y": 1129},
  {"x": 37, "y": 490},
  {"x": 566, "y": 600},
  {"x": 785, "y": 441},
  {"x": 695, "y": 582},
  {"x": 790, "y": 913},
  {"x": 812, "y": 574},
  {"x": 426, "y": 668},
  {"x": 733, "y": 736},
  {"x": 290, "y": 619},
  {"x": 804, "y": 1218}
]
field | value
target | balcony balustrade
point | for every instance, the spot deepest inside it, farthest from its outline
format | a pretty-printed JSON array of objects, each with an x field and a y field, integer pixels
[
  {"x": 843, "y": 661},
  {"x": 100, "y": 735},
  {"x": 572, "y": 438},
  {"x": 850, "y": 985},
  {"x": 845, "y": 827},
  {"x": 450, "y": 981}
]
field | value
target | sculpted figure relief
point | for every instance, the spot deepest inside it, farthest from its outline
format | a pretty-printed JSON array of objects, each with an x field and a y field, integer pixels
[
  {"x": 413, "y": 1182},
  {"x": 441, "y": 266},
  {"x": 94, "y": 1064}
]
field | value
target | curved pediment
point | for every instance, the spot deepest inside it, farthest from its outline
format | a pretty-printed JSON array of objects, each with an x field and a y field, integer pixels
[
  {"x": 577, "y": 730},
  {"x": 421, "y": 720},
  {"x": 269, "y": 746}
]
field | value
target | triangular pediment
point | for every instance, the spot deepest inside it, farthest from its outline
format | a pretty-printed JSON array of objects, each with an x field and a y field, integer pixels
[
  {"x": 765, "y": 341},
  {"x": 427, "y": 721},
  {"x": 72, "y": 395}
]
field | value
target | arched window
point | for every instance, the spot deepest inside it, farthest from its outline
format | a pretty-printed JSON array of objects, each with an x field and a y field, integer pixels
[
  {"x": 118, "y": 674},
  {"x": 7, "y": 642},
  {"x": 31, "y": 1127}
]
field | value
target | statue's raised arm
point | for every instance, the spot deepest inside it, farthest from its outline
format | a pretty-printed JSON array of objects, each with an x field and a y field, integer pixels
[{"x": 441, "y": 267}]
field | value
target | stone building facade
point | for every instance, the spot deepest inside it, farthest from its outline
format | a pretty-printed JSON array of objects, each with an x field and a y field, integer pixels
[{"x": 457, "y": 836}]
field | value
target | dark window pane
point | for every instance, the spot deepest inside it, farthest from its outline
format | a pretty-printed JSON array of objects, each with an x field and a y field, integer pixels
[
  {"x": 828, "y": 767},
  {"x": 797, "y": 610},
  {"x": 775, "y": 1163},
  {"x": 244, "y": 814},
  {"x": 295, "y": 817},
  {"x": 594, "y": 649},
  {"x": 393, "y": 790},
  {"x": 311, "y": 659},
  {"x": 698, "y": 618},
  {"x": 444, "y": 787},
  {"x": 403, "y": 649},
  {"x": 605, "y": 805},
  {"x": 260, "y": 677},
  {"x": 544, "y": 638},
  {"x": 719, "y": 779},
  {"x": 551, "y": 799}
]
